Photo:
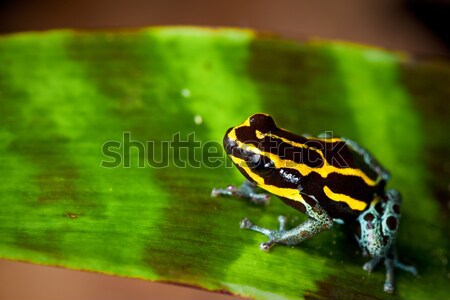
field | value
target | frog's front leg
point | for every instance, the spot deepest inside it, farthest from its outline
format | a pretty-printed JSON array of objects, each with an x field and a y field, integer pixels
[
  {"x": 318, "y": 221},
  {"x": 247, "y": 190}
]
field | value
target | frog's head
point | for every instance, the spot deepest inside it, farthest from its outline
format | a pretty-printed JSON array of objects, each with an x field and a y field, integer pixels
[{"x": 245, "y": 143}]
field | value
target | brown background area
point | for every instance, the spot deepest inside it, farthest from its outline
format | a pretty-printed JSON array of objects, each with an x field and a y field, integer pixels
[
  {"x": 32, "y": 282},
  {"x": 386, "y": 23}
]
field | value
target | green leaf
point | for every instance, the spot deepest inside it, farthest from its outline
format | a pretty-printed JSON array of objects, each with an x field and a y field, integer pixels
[{"x": 66, "y": 95}]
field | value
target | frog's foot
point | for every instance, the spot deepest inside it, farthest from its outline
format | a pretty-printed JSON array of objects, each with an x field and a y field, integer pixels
[
  {"x": 273, "y": 235},
  {"x": 405, "y": 267},
  {"x": 318, "y": 221},
  {"x": 371, "y": 264},
  {"x": 389, "y": 263},
  {"x": 246, "y": 190}
]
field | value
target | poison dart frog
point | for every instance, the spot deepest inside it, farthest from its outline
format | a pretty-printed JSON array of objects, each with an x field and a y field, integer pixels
[{"x": 329, "y": 179}]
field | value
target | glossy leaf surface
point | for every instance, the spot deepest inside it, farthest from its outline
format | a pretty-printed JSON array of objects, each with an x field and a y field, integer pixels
[{"x": 161, "y": 99}]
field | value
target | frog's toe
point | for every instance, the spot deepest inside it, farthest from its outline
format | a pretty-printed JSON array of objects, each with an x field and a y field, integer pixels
[
  {"x": 282, "y": 220},
  {"x": 407, "y": 268},
  {"x": 259, "y": 198},
  {"x": 266, "y": 245},
  {"x": 371, "y": 264},
  {"x": 411, "y": 270},
  {"x": 230, "y": 190},
  {"x": 215, "y": 192},
  {"x": 246, "y": 224},
  {"x": 389, "y": 287},
  {"x": 368, "y": 267},
  {"x": 246, "y": 191}
]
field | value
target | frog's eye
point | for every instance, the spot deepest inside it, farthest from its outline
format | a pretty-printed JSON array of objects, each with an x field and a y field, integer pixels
[
  {"x": 255, "y": 159},
  {"x": 260, "y": 164},
  {"x": 228, "y": 143},
  {"x": 263, "y": 123}
]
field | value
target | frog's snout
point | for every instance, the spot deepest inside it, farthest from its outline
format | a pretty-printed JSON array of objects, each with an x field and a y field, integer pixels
[{"x": 228, "y": 143}]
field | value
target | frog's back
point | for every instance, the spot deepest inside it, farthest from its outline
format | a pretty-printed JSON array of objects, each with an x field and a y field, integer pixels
[
  {"x": 330, "y": 171},
  {"x": 345, "y": 183}
]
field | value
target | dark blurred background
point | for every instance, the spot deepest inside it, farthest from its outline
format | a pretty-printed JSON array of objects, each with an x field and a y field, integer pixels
[
  {"x": 417, "y": 26},
  {"x": 420, "y": 26}
]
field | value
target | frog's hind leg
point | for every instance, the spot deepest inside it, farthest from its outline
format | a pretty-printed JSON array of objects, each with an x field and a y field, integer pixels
[
  {"x": 389, "y": 282},
  {"x": 378, "y": 226},
  {"x": 361, "y": 151},
  {"x": 247, "y": 190},
  {"x": 368, "y": 158},
  {"x": 326, "y": 135},
  {"x": 390, "y": 221},
  {"x": 391, "y": 262},
  {"x": 318, "y": 221}
]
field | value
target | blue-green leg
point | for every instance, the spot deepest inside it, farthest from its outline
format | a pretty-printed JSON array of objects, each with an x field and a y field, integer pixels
[
  {"x": 391, "y": 262},
  {"x": 368, "y": 159},
  {"x": 378, "y": 226},
  {"x": 389, "y": 281}
]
